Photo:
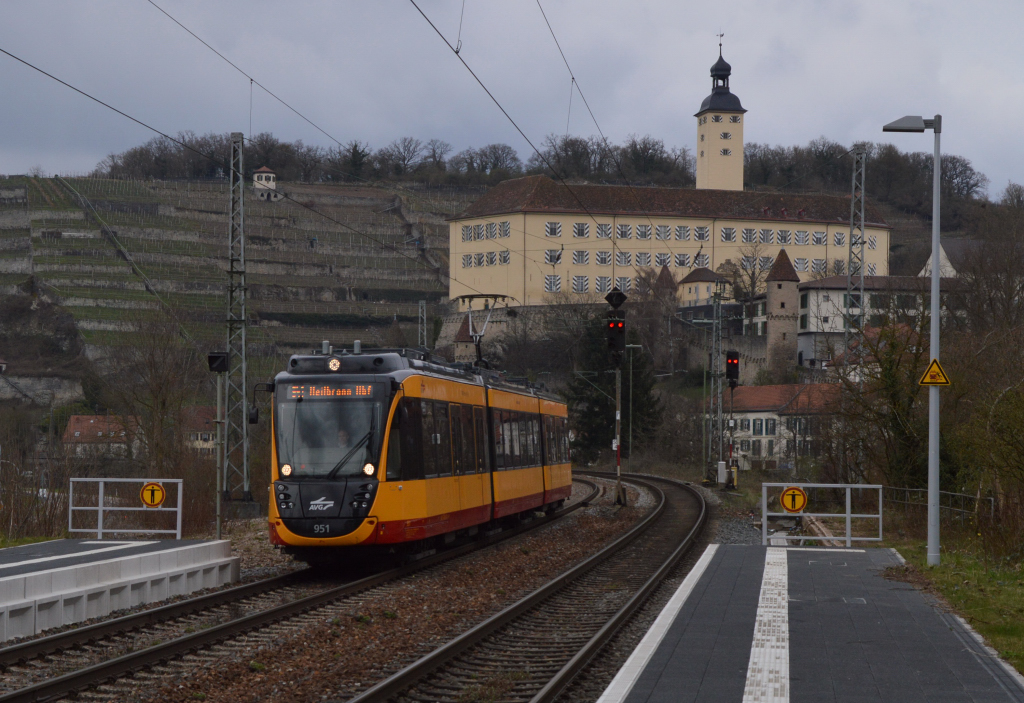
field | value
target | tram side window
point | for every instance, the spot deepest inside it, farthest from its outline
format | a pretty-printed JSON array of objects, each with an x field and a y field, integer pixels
[
  {"x": 481, "y": 439},
  {"x": 430, "y": 439},
  {"x": 517, "y": 440},
  {"x": 456, "y": 416},
  {"x": 566, "y": 454},
  {"x": 408, "y": 418},
  {"x": 468, "y": 461},
  {"x": 444, "y": 447},
  {"x": 538, "y": 457},
  {"x": 525, "y": 440},
  {"x": 499, "y": 442}
]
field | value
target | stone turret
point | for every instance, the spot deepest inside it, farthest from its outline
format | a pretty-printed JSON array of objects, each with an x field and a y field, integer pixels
[{"x": 783, "y": 303}]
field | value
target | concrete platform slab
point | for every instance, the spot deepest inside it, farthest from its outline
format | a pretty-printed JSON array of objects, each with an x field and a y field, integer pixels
[
  {"x": 51, "y": 584},
  {"x": 780, "y": 624}
]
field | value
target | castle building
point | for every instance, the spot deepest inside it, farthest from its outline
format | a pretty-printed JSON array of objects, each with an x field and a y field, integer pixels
[{"x": 533, "y": 238}]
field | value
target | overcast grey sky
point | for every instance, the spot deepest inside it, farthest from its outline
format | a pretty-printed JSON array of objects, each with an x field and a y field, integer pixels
[{"x": 376, "y": 71}]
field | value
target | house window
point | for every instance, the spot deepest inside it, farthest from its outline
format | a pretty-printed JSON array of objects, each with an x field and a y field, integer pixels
[
  {"x": 871, "y": 270},
  {"x": 764, "y": 329},
  {"x": 803, "y": 321},
  {"x": 755, "y": 447},
  {"x": 604, "y": 231},
  {"x": 478, "y": 259},
  {"x": 758, "y": 427},
  {"x": 872, "y": 241},
  {"x": 553, "y": 256},
  {"x": 604, "y": 258},
  {"x": 726, "y": 152},
  {"x": 504, "y": 229},
  {"x": 716, "y": 118},
  {"x": 78, "y": 434},
  {"x": 802, "y": 237},
  {"x": 783, "y": 236},
  {"x": 206, "y": 437},
  {"x": 819, "y": 239},
  {"x": 504, "y": 257},
  {"x": 725, "y": 135},
  {"x": 553, "y": 229},
  {"x": 803, "y": 301},
  {"x": 734, "y": 119},
  {"x": 478, "y": 232},
  {"x": 824, "y": 320},
  {"x": 744, "y": 445},
  {"x": 663, "y": 232},
  {"x": 467, "y": 233},
  {"x": 643, "y": 258},
  {"x": 769, "y": 426},
  {"x": 643, "y": 231},
  {"x": 683, "y": 260},
  {"x": 702, "y": 261},
  {"x": 817, "y": 266},
  {"x": 682, "y": 233},
  {"x": 581, "y": 258},
  {"x": 662, "y": 259},
  {"x": 552, "y": 283},
  {"x": 765, "y": 262},
  {"x": 467, "y": 260},
  {"x": 623, "y": 258},
  {"x": 855, "y": 239},
  {"x": 839, "y": 267},
  {"x": 840, "y": 239},
  {"x": 728, "y": 234},
  {"x": 580, "y": 284},
  {"x": 492, "y": 258},
  {"x": 624, "y": 231},
  {"x": 99, "y": 434},
  {"x": 581, "y": 230},
  {"x": 603, "y": 284},
  {"x": 800, "y": 264},
  {"x": 745, "y": 424},
  {"x": 749, "y": 235},
  {"x": 702, "y": 234},
  {"x": 770, "y": 451},
  {"x": 624, "y": 283},
  {"x": 767, "y": 236},
  {"x": 492, "y": 230},
  {"x": 747, "y": 263}
]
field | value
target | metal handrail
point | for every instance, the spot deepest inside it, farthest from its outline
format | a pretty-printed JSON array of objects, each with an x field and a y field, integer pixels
[
  {"x": 849, "y": 515},
  {"x": 100, "y": 508}
]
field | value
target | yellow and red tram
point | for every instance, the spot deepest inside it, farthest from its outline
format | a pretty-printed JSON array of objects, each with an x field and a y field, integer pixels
[{"x": 391, "y": 448}]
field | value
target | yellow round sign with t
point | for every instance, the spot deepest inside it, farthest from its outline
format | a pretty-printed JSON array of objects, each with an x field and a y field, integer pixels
[
  {"x": 793, "y": 499},
  {"x": 153, "y": 495}
]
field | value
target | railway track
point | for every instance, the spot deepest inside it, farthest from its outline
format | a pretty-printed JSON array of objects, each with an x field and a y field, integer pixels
[
  {"x": 533, "y": 649},
  {"x": 83, "y": 643}
]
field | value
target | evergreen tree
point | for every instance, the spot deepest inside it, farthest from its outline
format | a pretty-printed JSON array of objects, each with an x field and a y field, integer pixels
[{"x": 591, "y": 398}]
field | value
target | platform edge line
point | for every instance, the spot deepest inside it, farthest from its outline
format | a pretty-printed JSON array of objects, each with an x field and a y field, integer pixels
[{"x": 627, "y": 676}]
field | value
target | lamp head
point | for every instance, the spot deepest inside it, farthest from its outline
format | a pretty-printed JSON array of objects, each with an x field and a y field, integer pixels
[{"x": 910, "y": 123}]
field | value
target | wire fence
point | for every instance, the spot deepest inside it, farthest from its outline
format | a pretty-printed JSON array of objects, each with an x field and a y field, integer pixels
[{"x": 952, "y": 506}]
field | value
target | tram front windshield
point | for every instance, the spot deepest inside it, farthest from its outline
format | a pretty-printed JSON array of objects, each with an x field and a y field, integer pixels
[{"x": 328, "y": 429}]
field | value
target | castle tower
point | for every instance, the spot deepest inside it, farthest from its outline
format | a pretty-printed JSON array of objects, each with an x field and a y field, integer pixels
[
  {"x": 720, "y": 133},
  {"x": 783, "y": 302}
]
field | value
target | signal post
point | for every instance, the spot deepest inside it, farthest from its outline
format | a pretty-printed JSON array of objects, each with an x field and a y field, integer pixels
[{"x": 616, "y": 330}]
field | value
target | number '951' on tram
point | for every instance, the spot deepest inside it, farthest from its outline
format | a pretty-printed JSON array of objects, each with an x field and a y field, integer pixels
[{"x": 384, "y": 449}]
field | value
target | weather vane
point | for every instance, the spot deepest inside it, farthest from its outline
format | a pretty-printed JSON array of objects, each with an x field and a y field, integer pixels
[{"x": 720, "y": 35}]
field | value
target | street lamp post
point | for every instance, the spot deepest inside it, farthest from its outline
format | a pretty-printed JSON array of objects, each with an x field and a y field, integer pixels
[{"x": 920, "y": 124}]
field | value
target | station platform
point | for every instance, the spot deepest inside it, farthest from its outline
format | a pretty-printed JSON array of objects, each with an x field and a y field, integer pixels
[
  {"x": 777, "y": 624},
  {"x": 55, "y": 583}
]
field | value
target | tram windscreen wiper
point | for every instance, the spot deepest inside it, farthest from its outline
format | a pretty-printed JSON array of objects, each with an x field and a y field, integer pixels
[{"x": 351, "y": 452}]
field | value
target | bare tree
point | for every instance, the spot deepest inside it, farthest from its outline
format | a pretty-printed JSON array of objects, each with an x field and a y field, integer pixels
[
  {"x": 437, "y": 151},
  {"x": 1013, "y": 196}
]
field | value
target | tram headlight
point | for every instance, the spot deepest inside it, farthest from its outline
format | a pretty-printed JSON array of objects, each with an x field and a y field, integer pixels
[
  {"x": 368, "y": 469},
  {"x": 286, "y": 469},
  {"x": 334, "y": 364}
]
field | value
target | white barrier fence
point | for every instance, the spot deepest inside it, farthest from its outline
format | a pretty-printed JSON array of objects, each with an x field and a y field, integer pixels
[
  {"x": 101, "y": 508},
  {"x": 810, "y": 489}
]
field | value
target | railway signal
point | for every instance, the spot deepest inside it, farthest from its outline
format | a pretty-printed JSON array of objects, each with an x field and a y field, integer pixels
[
  {"x": 616, "y": 329},
  {"x": 732, "y": 368}
]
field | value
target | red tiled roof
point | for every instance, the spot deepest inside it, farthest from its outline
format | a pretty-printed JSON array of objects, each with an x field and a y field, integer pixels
[
  {"x": 264, "y": 169},
  {"x": 789, "y": 399},
  {"x": 666, "y": 281},
  {"x": 542, "y": 194},
  {"x": 200, "y": 418},
  {"x": 702, "y": 275},
  {"x": 463, "y": 334},
  {"x": 89, "y": 429},
  {"x": 894, "y": 284},
  {"x": 782, "y": 269}
]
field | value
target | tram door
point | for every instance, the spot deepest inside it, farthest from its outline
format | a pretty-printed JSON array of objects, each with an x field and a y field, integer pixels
[
  {"x": 473, "y": 498},
  {"x": 442, "y": 489}
]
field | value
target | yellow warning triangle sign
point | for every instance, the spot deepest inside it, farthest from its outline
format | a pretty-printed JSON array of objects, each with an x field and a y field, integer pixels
[{"x": 934, "y": 375}]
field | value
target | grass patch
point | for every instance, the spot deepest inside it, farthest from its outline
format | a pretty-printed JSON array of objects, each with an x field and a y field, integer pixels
[
  {"x": 18, "y": 541},
  {"x": 987, "y": 592}
]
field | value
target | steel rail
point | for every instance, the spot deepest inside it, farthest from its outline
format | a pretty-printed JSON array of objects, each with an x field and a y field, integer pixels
[
  {"x": 579, "y": 661},
  {"x": 411, "y": 674},
  {"x": 98, "y": 674}
]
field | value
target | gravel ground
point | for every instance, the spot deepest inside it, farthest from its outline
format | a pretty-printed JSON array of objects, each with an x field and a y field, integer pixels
[{"x": 335, "y": 652}]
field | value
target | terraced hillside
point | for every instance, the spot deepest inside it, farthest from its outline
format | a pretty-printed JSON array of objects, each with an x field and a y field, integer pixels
[{"x": 113, "y": 252}]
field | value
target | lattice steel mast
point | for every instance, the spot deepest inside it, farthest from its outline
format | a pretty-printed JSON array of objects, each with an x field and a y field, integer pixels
[
  {"x": 855, "y": 268},
  {"x": 236, "y": 425}
]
